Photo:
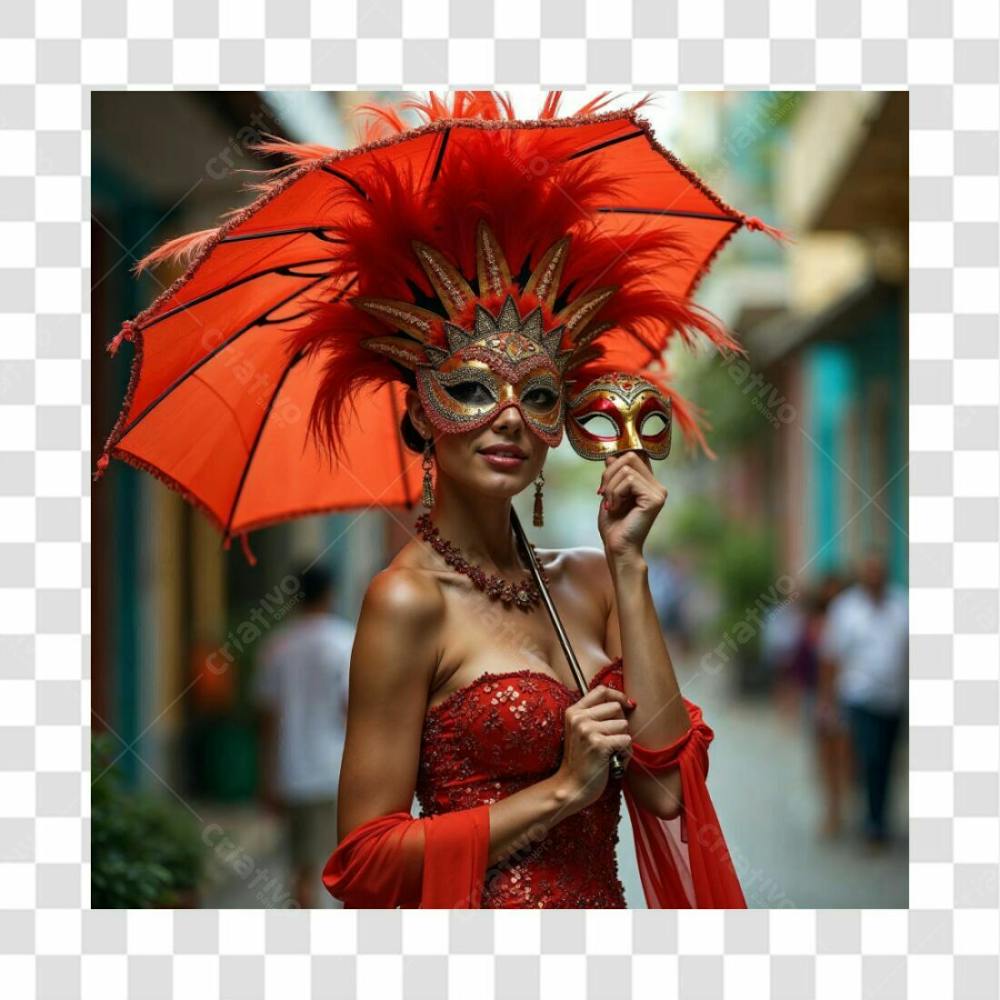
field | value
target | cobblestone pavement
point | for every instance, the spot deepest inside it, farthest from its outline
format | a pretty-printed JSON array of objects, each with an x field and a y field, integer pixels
[{"x": 763, "y": 784}]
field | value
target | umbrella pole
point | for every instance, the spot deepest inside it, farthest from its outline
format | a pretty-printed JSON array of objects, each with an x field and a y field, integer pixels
[{"x": 616, "y": 763}]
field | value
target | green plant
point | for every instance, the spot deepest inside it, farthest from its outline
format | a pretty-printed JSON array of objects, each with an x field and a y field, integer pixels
[
  {"x": 146, "y": 851},
  {"x": 742, "y": 566},
  {"x": 696, "y": 524}
]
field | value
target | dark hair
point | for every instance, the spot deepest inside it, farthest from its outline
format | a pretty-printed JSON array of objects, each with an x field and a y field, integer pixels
[
  {"x": 412, "y": 438},
  {"x": 316, "y": 582}
]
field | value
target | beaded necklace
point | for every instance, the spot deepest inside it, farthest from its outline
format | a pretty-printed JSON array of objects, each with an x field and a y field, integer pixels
[{"x": 524, "y": 594}]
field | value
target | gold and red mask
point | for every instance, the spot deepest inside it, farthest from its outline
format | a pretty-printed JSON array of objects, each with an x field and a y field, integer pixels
[
  {"x": 502, "y": 347},
  {"x": 618, "y": 412}
]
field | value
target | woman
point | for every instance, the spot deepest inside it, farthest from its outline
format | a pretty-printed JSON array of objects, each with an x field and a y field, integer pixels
[
  {"x": 459, "y": 690},
  {"x": 427, "y": 639},
  {"x": 488, "y": 264}
]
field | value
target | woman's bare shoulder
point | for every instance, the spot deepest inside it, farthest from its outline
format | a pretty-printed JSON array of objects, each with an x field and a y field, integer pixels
[
  {"x": 582, "y": 559},
  {"x": 582, "y": 568},
  {"x": 396, "y": 649},
  {"x": 405, "y": 594}
]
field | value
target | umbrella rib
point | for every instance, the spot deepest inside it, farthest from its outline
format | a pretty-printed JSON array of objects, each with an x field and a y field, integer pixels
[
  {"x": 215, "y": 350},
  {"x": 350, "y": 180},
  {"x": 197, "y": 301},
  {"x": 256, "y": 441},
  {"x": 440, "y": 155},
  {"x": 605, "y": 144},
  {"x": 713, "y": 217},
  {"x": 316, "y": 231}
]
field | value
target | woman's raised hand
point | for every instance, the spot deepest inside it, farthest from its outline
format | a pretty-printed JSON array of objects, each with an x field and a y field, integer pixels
[
  {"x": 595, "y": 728},
  {"x": 631, "y": 497}
]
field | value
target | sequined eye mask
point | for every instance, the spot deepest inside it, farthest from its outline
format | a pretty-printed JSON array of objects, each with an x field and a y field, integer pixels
[
  {"x": 619, "y": 412},
  {"x": 514, "y": 352}
]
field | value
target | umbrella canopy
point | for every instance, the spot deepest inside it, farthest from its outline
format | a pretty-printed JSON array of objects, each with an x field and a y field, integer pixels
[{"x": 217, "y": 408}]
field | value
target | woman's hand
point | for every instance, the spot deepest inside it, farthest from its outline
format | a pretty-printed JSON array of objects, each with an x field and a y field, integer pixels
[
  {"x": 631, "y": 499},
  {"x": 595, "y": 728}
]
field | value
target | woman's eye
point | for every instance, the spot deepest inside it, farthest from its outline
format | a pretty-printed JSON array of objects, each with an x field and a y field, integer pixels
[
  {"x": 541, "y": 399},
  {"x": 471, "y": 393}
]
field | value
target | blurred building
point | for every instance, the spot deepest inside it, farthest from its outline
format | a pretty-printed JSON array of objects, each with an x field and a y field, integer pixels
[
  {"x": 821, "y": 461},
  {"x": 841, "y": 347},
  {"x": 175, "y": 616}
]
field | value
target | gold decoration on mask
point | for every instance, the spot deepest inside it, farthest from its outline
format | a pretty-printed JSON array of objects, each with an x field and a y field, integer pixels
[
  {"x": 627, "y": 403},
  {"x": 516, "y": 348}
]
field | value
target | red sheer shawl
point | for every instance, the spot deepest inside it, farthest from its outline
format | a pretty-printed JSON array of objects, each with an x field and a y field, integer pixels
[
  {"x": 441, "y": 861},
  {"x": 438, "y": 862},
  {"x": 684, "y": 862}
]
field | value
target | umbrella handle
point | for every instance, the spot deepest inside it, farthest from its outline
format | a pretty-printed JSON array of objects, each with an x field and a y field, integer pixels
[{"x": 616, "y": 763}]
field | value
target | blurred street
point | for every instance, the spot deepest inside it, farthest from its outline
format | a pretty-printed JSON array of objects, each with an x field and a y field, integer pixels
[
  {"x": 757, "y": 562},
  {"x": 772, "y": 833},
  {"x": 772, "y": 828}
]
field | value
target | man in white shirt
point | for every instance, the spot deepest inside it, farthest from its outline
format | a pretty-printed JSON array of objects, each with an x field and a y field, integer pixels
[
  {"x": 863, "y": 653},
  {"x": 301, "y": 688}
]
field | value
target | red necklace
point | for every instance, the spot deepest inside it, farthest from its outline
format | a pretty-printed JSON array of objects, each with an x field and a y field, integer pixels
[{"x": 525, "y": 594}]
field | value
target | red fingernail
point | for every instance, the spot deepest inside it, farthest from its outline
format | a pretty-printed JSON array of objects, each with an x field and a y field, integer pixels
[{"x": 632, "y": 703}]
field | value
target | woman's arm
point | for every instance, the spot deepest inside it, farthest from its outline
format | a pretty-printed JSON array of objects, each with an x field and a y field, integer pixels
[
  {"x": 392, "y": 668},
  {"x": 660, "y": 717},
  {"x": 650, "y": 681}
]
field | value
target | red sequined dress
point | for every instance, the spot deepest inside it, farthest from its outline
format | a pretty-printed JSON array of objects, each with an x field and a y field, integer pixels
[
  {"x": 504, "y": 732},
  {"x": 493, "y": 737}
]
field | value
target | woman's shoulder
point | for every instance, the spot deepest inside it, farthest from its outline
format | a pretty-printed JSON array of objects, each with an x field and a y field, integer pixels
[
  {"x": 579, "y": 559},
  {"x": 398, "y": 630},
  {"x": 404, "y": 594},
  {"x": 583, "y": 566}
]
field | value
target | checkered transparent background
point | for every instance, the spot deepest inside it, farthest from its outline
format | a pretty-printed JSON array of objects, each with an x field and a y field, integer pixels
[{"x": 52, "y": 51}]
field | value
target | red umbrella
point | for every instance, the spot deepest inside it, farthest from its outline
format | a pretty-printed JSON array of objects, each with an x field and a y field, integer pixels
[{"x": 217, "y": 407}]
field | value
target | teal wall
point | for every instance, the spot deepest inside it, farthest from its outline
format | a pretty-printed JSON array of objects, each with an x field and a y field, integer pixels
[
  {"x": 119, "y": 296},
  {"x": 841, "y": 374}
]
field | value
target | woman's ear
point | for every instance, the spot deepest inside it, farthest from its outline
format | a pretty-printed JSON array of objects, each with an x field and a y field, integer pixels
[{"x": 415, "y": 411}]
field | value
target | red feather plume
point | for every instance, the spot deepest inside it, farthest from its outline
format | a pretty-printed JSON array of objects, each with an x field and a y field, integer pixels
[{"x": 522, "y": 184}]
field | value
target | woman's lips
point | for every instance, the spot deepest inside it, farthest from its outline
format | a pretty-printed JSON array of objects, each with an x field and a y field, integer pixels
[{"x": 502, "y": 460}]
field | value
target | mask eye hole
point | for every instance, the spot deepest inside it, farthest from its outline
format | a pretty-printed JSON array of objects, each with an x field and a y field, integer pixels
[
  {"x": 540, "y": 398},
  {"x": 599, "y": 425},
  {"x": 654, "y": 425},
  {"x": 470, "y": 393}
]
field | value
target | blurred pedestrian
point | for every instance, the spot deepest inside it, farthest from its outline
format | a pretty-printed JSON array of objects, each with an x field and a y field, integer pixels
[
  {"x": 782, "y": 633},
  {"x": 301, "y": 690},
  {"x": 667, "y": 587},
  {"x": 864, "y": 668},
  {"x": 824, "y": 723}
]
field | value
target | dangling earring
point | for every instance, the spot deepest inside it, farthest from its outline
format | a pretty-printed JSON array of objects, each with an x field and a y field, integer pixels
[
  {"x": 539, "y": 519},
  {"x": 428, "y": 492}
]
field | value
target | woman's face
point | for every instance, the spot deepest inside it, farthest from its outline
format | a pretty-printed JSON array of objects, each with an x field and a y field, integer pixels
[{"x": 500, "y": 459}]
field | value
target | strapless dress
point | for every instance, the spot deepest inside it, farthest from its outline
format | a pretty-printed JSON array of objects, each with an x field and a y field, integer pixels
[{"x": 497, "y": 735}]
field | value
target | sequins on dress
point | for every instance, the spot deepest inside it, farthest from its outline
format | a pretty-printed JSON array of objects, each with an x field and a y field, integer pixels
[{"x": 497, "y": 735}]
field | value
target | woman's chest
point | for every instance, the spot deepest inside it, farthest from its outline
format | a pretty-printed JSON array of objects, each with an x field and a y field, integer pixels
[
  {"x": 506, "y": 724},
  {"x": 480, "y": 636}
]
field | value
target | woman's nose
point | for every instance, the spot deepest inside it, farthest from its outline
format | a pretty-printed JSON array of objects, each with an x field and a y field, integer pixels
[{"x": 508, "y": 418}]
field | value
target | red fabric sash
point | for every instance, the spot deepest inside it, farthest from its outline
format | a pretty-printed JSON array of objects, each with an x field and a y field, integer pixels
[
  {"x": 438, "y": 862},
  {"x": 684, "y": 862}
]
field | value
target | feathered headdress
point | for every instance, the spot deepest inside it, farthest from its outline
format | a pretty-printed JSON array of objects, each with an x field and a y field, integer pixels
[{"x": 508, "y": 219}]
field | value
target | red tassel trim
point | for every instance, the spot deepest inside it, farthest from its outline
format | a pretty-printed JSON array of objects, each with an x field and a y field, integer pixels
[
  {"x": 127, "y": 332},
  {"x": 759, "y": 226},
  {"x": 248, "y": 555},
  {"x": 102, "y": 464}
]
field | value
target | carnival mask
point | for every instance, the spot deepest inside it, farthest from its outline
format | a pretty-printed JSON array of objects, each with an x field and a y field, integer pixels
[
  {"x": 619, "y": 412},
  {"x": 512, "y": 351}
]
